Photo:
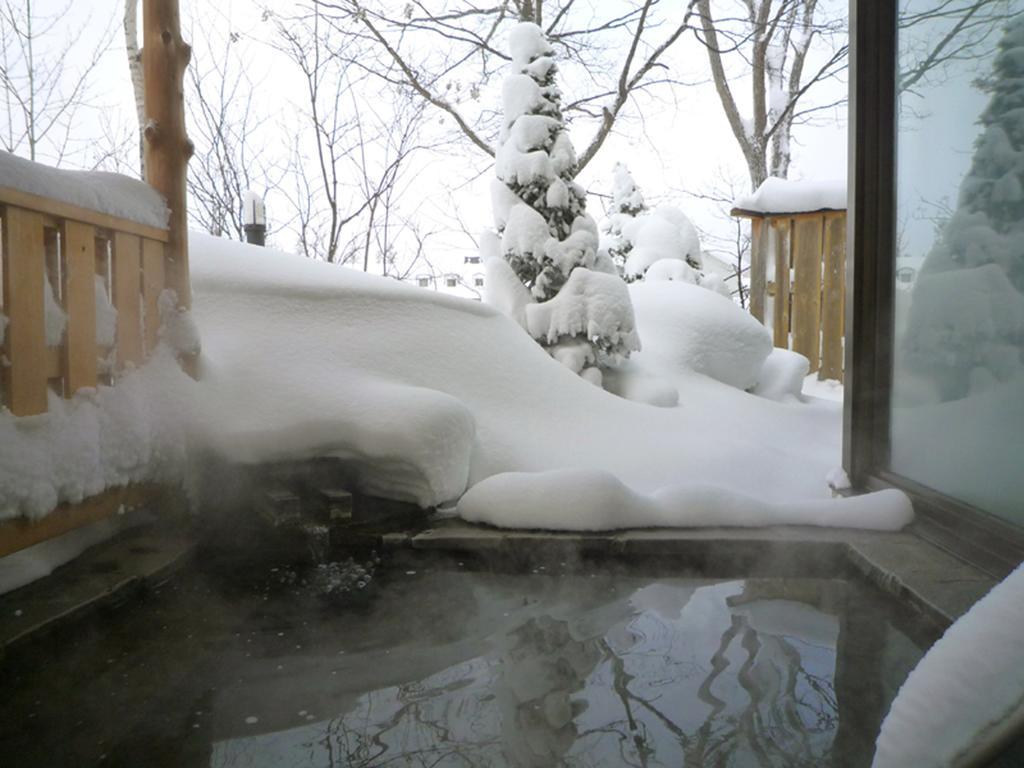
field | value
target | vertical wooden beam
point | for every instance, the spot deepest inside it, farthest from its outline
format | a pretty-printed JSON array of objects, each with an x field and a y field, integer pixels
[
  {"x": 79, "y": 241},
  {"x": 25, "y": 343},
  {"x": 152, "y": 285},
  {"x": 807, "y": 288},
  {"x": 758, "y": 267},
  {"x": 127, "y": 298},
  {"x": 781, "y": 232},
  {"x": 832, "y": 298},
  {"x": 167, "y": 147}
]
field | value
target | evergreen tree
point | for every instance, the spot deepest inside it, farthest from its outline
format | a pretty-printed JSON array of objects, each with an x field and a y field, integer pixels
[
  {"x": 966, "y": 321},
  {"x": 627, "y": 204},
  {"x": 546, "y": 236}
]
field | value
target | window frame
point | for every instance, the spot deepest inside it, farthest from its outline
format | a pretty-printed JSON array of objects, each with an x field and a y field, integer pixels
[{"x": 993, "y": 544}]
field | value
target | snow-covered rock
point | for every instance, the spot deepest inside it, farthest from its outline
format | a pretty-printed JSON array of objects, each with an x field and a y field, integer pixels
[{"x": 686, "y": 327}]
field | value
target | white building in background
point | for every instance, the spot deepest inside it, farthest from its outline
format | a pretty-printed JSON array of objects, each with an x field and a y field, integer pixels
[{"x": 466, "y": 281}]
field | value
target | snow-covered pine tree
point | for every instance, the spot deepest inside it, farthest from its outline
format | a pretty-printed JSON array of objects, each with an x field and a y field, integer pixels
[
  {"x": 627, "y": 204},
  {"x": 574, "y": 302},
  {"x": 966, "y": 322}
]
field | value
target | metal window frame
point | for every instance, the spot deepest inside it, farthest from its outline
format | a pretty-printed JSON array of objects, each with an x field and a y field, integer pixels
[{"x": 987, "y": 541}]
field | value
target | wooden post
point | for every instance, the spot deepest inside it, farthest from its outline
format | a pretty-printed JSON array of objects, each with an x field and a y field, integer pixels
[
  {"x": 807, "y": 288},
  {"x": 167, "y": 147},
  {"x": 759, "y": 233},
  {"x": 781, "y": 231},
  {"x": 80, "y": 301},
  {"x": 24, "y": 270},
  {"x": 832, "y": 298}
]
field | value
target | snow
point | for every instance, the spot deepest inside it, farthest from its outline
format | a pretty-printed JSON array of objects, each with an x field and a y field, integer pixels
[
  {"x": 420, "y": 396},
  {"x": 423, "y": 394},
  {"x": 109, "y": 193},
  {"x": 590, "y": 304},
  {"x": 782, "y": 375},
  {"x": 664, "y": 233},
  {"x": 593, "y": 500},
  {"x": 777, "y": 195},
  {"x": 671, "y": 269},
  {"x": 55, "y": 318},
  {"x": 101, "y": 438},
  {"x": 684, "y": 326},
  {"x": 967, "y": 691},
  {"x": 253, "y": 210},
  {"x": 106, "y": 314}
]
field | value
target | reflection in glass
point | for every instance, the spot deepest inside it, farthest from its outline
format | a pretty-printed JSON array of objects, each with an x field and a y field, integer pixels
[{"x": 958, "y": 369}]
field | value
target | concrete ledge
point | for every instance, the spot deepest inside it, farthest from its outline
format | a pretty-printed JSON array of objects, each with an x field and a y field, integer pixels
[
  {"x": 907, "y": 567},
  {"x": 102, "y": 576}
]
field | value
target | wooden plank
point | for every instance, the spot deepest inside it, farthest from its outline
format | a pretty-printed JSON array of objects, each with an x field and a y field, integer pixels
[
  {"x": 127, "y": 298},
  {"x": 20, "y": 533},
  {"x": 80, "y": 303},
  {"x": 781, "y": 232},
  {"x": 807, "y": 289},
  {"x": 152, "y": 285},
  {"x": 758, "y": 267},
  {"x": 25, "y": 344},
  {"x": 833, "y": 299},
  {"x": 62, "y": 210}
]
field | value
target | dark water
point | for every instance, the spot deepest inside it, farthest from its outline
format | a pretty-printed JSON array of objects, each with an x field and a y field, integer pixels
[{"x": 435, "y": 665}]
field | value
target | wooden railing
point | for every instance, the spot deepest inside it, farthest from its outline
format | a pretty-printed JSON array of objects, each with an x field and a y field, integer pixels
[
  {"x": 48, "y": 240},
  {"x": 797, "y": 283}
]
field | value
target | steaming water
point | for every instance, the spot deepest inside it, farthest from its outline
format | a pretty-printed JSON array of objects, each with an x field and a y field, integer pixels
[{"x": 435, "y": 665}]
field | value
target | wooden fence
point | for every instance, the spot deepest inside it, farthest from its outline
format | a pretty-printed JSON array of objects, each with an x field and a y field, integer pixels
[
  {"x": 45, "y": 240},
  {"x": 797, "y": 283}
]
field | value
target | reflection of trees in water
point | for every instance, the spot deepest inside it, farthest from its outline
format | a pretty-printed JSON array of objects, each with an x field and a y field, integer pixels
[{"x": 767, "y": 699}]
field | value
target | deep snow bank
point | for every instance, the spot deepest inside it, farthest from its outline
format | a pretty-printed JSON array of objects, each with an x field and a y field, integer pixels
[{"x": 426, "y": 394}]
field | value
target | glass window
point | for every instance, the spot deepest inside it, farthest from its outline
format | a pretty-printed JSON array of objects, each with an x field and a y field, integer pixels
[
  {"x": 957, "y": 406},
  {"x": 451, "y": 281}
]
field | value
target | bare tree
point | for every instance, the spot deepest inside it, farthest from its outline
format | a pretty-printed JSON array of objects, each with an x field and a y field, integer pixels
[
  {"x": 130, "y": 23},
  {"x": 447, "y": 57},
  {"x": 771, "y": 39},
  {"x": 46, "y": 80},
  {"x": 352, "y": 155},
  {"x": 228, "y": 133}
]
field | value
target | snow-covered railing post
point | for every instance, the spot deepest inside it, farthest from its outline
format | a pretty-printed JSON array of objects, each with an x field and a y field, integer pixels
[
  {"x": 167, "y": 147},
  {"x": 798, "y": 266}
]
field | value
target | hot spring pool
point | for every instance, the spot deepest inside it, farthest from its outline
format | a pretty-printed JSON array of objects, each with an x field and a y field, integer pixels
[{"x": 435, "y": 663}]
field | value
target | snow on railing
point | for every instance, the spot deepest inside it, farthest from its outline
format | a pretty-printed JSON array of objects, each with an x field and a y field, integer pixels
[
  {"x": 798, "y": 267},
  {"x": 80, "y": 291}
]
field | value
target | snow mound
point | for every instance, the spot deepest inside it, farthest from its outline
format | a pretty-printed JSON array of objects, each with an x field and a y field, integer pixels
[
  {"x": 684, "y": 326},
  {"x": 591, "y": 500},
  {"x": 782, "y": 375},
  {"x": 665, "y": 270},
  {"x": 967, "y": 691},
  {"x": 664, "y": 233},
  {"x": 777, "y": 195},
  {"x": 633, "y": 383},
  {"x": 110, "y": 193}
]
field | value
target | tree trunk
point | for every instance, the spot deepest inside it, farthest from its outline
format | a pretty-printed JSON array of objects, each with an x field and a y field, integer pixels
[
  {"x": 168, "y": 149},
  {"x": 131, "y": 42}
]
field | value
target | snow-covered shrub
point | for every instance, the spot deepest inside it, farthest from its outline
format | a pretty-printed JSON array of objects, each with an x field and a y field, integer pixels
[
  {"x": 664, "y": 233},
  {"x": 686, "y": 328},
  {"x": 545, "y": 232},
  {"x": 627, "y": 204},
  {"x": 965, "y": 327}
]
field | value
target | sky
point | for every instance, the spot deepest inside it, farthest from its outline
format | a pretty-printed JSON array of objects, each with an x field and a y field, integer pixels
[{"x": 682, "y": 145}]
